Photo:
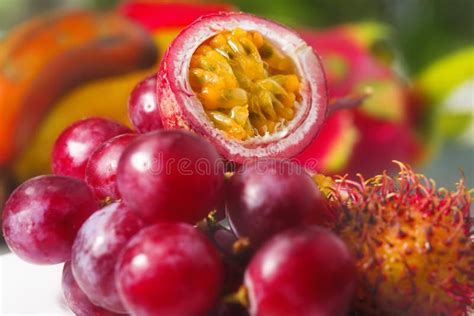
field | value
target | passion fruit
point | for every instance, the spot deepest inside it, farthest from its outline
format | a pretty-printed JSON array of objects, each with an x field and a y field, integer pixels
[{"x": 251, "y": 86}]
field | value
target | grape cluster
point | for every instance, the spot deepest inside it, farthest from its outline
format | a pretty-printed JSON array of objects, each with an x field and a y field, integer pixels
[{"x": 150, "y": 223}]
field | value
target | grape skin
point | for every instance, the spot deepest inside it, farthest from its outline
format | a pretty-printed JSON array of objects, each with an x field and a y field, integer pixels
[
  {"x": 169, "y": 269},
  {"x": 171, "y": 175},
  {"x": 75, "y": 145},
  {"x": 143, "y": 110},
  {"x": 101, "y": 170},
  {"x": 76, "y": 300},
  {"x": 42, "y": 216},
  {"x": 268, "y": 196},
  {"x": 95, "y": 252},
  {"x": 302, "y": 271}
]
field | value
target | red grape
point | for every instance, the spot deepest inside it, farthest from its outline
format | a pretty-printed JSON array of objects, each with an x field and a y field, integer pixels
[
  {"x": 171, "y": 175},
  {"x": 304, "y": 272},
  {"x": 269, "y": 196},
  {"x": 95, "y": 253},
  {"x": 142, "y": 108},
  {"x": 169, "y": 269},
  {"x": 101, "y": 170},
  {"x": 76, "y": 299},
  {"x": 42, "y": 216},
  {"x": 76, "y": 143}
]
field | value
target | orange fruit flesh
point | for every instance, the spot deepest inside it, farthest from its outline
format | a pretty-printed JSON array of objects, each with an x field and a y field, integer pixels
[{"x": 247, "y": 87}]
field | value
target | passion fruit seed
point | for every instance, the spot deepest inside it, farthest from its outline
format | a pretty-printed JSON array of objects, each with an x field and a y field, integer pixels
[{"x": 246, "y": 85}]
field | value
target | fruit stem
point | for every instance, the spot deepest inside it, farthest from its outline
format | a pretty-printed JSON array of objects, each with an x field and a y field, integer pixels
[
  {"x": 108, "y": 200},
  {"x": 240, "y": 245},
  {"x": 349, "y": 102},
  {"x": 239, "y": 297},
  {"x": 208, "y": 224}
]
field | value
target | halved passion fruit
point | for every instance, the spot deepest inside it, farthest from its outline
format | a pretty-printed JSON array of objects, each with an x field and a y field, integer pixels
[{"x": 251, "y": 86}]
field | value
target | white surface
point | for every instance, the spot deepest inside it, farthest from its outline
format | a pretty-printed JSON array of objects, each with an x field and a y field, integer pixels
[{"x": 27, "y": 289}]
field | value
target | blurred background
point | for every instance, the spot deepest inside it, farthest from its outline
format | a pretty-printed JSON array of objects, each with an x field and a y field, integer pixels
[
  {"x": 423, "y": 29},
  {"x": 422, "y": 50}
]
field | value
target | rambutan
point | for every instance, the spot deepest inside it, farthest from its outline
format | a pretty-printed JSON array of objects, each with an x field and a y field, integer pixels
[{"x": 413, "y": 243}]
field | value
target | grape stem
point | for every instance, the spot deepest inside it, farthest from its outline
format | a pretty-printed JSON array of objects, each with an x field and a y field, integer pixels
[
  {"x": 241, "y": 245},
  {"x": 238, "y": 297},
  {"x": 348, "y": 102}
]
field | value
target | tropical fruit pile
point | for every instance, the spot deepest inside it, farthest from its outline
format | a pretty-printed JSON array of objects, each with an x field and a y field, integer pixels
[{"x": 211, "y": 205}]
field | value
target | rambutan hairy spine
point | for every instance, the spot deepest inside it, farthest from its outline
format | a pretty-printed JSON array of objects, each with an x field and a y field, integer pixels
[{"x": 413, "y": 243}]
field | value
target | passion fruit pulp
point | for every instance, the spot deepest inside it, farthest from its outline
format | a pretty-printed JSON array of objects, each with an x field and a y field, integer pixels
[
  {"x": 246, "y": 85},
  {"x": 252, "y": 87}
]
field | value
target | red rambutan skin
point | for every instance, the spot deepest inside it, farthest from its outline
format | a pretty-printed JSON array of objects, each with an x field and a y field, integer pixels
[{"x": 413, "y": 243}]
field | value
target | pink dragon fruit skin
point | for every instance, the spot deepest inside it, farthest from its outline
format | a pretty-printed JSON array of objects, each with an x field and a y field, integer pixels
[{"x": 363, "y": 140}]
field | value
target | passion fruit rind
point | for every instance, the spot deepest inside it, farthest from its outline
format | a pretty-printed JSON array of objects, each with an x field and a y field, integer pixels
[
  {"x": 180, "y": 106},
  {"x": 412, "y": 241}
]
